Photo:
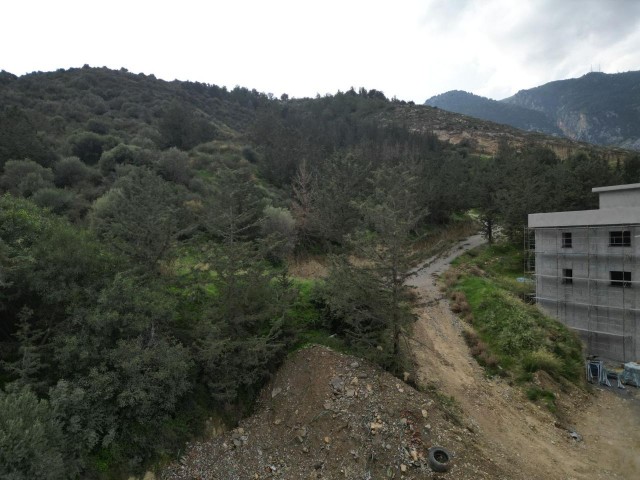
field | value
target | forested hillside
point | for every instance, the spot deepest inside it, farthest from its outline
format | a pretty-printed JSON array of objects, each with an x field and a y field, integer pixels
[{"x": 146, "y": 229}]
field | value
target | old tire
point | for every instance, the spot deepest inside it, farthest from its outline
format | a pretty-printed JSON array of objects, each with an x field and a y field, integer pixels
[{"x": 439, "y": 459}]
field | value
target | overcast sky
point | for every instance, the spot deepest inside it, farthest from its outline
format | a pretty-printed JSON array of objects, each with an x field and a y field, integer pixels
[{"x": 411, "y": 49}]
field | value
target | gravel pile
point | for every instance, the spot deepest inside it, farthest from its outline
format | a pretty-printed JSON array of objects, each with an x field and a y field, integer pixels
[{"x": 328, "y": 415}]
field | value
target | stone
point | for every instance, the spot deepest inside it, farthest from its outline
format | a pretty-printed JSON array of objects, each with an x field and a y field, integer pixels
[
  {"x": 275, "y": 392},
  {"x": 414, "y": 455},
  {"x": 277, "y": 421},
  {"x": 327, "y": 440},
  {"x": 350, "y": 392},
  {"x": 403, "y": 468},
  {"x": 375, "y": 426},
  {"x": 337, "y": 384},
  {"x": 424, "y": 413},
  {"x": 355, "y": 365}
]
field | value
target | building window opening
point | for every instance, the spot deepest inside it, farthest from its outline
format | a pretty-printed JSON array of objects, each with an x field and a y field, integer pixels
[
  {"x": 567, "y": 276},
  {"x": 532, "y": 241},
  {"x": 620, "y": 279},
  {"x": 567, "y": 241},
  {"x": 531, "y": 264},
  {"x": 620, "y": 238}
]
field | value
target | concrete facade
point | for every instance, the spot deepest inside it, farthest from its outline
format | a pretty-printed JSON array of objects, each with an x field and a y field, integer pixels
[{"x": 587, "y": 271}]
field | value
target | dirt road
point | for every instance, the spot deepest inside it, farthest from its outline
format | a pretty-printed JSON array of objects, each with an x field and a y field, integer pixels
[{"x": 520, "y": 437}]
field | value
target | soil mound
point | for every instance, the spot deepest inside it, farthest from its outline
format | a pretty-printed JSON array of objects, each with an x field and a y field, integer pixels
[{"x": 329, "y": 415}]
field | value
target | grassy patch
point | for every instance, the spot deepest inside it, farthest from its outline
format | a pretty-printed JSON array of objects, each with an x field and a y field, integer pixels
[
  {"x": 307, "y": 320},
  {"x": 548, "y": 398},
  {"x": 509, "y": 337}
]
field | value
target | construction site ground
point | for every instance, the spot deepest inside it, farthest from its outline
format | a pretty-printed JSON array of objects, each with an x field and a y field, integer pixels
[{"x": 329, "y": 415}]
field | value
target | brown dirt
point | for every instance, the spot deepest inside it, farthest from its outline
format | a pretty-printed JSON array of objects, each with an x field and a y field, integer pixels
[
  {"x": 307, "y": 267},
  {"x": 329, "y": 415},
  {"x": 524, "y": 439}
]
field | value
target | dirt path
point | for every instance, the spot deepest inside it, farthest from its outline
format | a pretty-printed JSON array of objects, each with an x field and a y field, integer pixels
[{"x": 517, "y": 435}]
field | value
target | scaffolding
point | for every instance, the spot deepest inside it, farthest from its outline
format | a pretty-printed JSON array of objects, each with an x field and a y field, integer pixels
[{"x": 588, "y": 277}]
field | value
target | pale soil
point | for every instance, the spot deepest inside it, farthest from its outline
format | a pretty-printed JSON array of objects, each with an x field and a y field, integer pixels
[
  {"x": 520, "y": 437},
  {"x": 307, "y": 267}
]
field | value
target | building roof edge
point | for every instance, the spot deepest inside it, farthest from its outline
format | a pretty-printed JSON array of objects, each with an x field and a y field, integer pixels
[{"x": 612, "y": 188}]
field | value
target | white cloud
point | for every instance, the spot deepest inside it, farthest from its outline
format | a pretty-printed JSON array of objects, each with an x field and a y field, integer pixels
[{"x": 412, "y": 49}]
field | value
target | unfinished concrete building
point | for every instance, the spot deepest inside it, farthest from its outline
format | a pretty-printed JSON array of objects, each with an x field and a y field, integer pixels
[{"x": 587, "y": 271}]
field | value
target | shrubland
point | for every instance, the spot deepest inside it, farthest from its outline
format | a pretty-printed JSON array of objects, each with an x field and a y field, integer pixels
[{"x": 146, "y": 229}]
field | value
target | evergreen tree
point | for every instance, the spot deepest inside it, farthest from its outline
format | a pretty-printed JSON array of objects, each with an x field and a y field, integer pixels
[
  {"x": 369, "y": 300},
  {"x": 140, "y": 216}
]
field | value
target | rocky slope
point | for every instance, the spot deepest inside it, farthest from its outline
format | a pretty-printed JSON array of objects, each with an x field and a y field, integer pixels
[
  {"x": 328, "y": 415},
  {"x": 486, "y": 109},
  {"x": 484, "y": 137},
  {"x": 599, "y": 108}
]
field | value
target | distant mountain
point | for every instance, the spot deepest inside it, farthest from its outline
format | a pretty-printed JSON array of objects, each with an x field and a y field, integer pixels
[
  {"x": 599, "y": 108},
  {"x": 458, "y": 101}
]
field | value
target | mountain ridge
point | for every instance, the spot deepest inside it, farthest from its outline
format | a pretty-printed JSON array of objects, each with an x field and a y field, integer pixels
[{"x": 598, "y": 108}]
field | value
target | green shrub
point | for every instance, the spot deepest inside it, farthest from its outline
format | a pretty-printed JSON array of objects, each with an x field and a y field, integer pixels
[
  {"x": 71, "y": 171},
  {"x": 25, "y": 177},
  {"x": 32, "y": 444},
  {"x": 55, "y": 199},
  {"x": 88, "y": 146},
  {"x": 548, "y": 398},
  {"x": 542, "y": 360}
]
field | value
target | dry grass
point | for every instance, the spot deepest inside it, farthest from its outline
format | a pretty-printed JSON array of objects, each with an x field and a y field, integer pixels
[
  {"x": 311, "y": 267},
  {"x": 434, "y": 243},
  {"x": 451, "y": 278}
]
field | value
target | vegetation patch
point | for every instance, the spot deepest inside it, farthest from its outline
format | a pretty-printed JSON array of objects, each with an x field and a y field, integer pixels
[
  {"x": 536, "y": 394},
  {"x": 509, "y": 337}
]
